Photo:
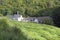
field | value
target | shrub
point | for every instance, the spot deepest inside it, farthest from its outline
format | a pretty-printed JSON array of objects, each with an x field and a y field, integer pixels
[
  {"x": 8, "y": 32},
  {"x": 48, "y": 21},
  {"x": 56, "y": 16},
  {"x": 1, "y": 15}
]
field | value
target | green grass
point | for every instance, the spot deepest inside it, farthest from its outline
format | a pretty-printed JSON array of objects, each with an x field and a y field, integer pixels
[{"x": 13, "y": 30}]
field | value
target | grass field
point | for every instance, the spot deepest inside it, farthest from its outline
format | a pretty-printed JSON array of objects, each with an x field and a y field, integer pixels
[{"x": 13, "y": 30}]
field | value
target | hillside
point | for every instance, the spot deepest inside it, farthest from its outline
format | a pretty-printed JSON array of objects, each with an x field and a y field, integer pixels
[
  {"x": 28, "y": 7},
  {"x": 13, "y": 30}
]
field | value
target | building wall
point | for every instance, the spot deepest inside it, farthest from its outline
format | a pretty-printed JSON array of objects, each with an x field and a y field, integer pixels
[{"x": 30, "y": 19}]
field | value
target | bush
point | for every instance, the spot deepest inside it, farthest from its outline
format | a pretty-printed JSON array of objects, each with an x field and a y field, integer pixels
[
  {"x": 1, "y": 15},
  {"x": 8, "y": 32},
  {"x": 3, "y": 22},
  {"x": 56, "y": 16},
  {"x": 48, "y": 21}
]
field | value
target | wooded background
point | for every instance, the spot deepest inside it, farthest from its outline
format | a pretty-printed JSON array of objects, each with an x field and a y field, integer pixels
[{"x": 29, "y": 7}]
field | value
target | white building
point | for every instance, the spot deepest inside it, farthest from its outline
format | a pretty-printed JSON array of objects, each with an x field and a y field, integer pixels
[
  {"x": 16, "y": 17},
  {"x": 36, "y": 20},
  {"x": 19, "y": 17}
]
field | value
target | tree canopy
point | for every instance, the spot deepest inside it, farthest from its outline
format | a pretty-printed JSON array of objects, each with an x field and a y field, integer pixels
[{"x": 28, "y": 7}]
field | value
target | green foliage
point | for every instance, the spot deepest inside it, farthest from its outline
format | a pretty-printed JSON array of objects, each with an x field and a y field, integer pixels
[
  {"x": 33, "y": 7},
  {"x": 13, "y": 30},
  {"x": 9, "y": 32},
  {"x": 56, "y": 16},
  {"x": 1, "y": 15},
  {"x": 48, "y": 21}
]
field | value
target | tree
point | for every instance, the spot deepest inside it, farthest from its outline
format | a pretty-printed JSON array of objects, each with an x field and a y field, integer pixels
[
  {"x": 33, "y": 7},
  {"x": 56, "y": 17}
]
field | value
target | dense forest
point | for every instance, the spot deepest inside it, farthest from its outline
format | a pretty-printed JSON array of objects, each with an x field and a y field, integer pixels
[
  {"x": 11, "y": 28},
  {"x": 29, "y": 7}
]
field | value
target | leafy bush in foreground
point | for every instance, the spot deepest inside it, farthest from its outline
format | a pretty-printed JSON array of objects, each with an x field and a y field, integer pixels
[
  {"x": 12, "y": 30},
  {"x": 9, "y": 32}
]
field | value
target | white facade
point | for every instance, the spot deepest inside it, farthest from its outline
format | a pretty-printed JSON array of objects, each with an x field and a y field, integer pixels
[
  {"x": 20, "y": 18},
  {"x": 36, "y": 20},
  {"x": 16, "y": 17}
]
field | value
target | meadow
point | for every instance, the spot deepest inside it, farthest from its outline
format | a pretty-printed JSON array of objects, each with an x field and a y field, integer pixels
[{"x": 13, "y": 30}]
